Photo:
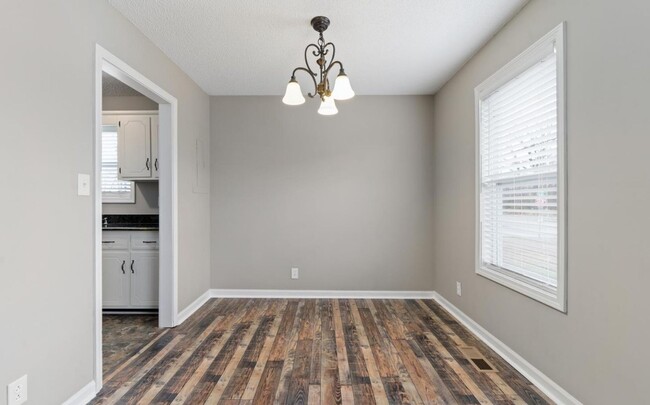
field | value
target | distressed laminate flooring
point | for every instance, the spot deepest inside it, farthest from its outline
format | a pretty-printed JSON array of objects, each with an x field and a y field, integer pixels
[
  {"x": 320, "y": 351},
  {"x": 124, "y": 335}
]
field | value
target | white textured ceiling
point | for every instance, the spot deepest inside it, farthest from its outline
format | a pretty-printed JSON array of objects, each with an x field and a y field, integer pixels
[
  {"x": 250, "y": 47},
  {"x": 113, "y": 87}
]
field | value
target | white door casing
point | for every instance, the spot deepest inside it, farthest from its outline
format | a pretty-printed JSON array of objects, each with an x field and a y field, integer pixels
[{"x": 105, "y": 61}]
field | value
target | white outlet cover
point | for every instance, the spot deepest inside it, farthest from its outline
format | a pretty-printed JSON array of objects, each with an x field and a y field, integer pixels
[
  {"x": 295, "y": 273},
  {"x": 83, "y": 184},
  {"x": 459, "y": 288},
  {"x": 17, "y": 391}
]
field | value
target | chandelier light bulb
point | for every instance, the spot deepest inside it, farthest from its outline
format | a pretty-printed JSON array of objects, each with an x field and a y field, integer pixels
[
  {"x": 342, "y": 89},
  {"x": 293, "y": 95},
  {"x": 328, "y": 107}
]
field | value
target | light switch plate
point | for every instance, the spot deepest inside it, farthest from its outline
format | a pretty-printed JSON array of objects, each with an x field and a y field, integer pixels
[{"x": 83, "y": 184}]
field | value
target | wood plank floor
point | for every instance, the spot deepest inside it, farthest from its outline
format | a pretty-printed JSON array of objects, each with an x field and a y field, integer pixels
[
  {"x": 124, "y": 335},
  {"x": 263, "y": 351}
]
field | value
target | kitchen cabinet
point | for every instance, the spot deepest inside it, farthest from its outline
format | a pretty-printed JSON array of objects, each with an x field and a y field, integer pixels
[
  {"x": 134, "y": 146},
  {"x": 115, "y": 281},
  {"x": 154, "y": 147},
  {"x": 144, "y": 279},
  {"x": 130, "y": 266},
  {"x": 137, "y": 143}
]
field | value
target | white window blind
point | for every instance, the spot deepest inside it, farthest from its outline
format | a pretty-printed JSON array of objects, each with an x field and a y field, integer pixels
[
  {"x": 114, "y": 190},
  {"x": 519, "y": 224}
]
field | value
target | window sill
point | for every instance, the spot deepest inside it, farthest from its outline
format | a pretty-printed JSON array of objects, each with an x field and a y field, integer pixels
[{"x": 109, "y": 201}]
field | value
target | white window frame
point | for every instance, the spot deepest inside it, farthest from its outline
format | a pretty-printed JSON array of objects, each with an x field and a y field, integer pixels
[
  {"x": 525, "y": 60},
  {"x": 122, "y": 198}
]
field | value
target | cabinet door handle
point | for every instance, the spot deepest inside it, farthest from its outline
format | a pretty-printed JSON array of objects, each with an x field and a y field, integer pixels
[
  {"x": 155, "y": 164},
  {"x": 123, "y": 263},
  {"x": 149, "y": 241},
  {"x": 132, "y": 271},
  {"x": 147, "y": 163},
  {"x": 108, "y": 241}
]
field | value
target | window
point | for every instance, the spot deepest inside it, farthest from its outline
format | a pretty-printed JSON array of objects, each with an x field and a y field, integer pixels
[
  {"x": 520, "y": 173},
  {"x": 114, "y": 190}
]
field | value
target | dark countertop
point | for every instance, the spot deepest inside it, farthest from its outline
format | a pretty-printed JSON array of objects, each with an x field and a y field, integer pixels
[
  {"x": 129, "y": 222},
  {"x": 129, "y": 228}
]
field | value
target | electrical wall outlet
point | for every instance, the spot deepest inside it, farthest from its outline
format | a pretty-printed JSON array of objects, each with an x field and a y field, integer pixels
[
  {"x": 294, "y": 273},
  {"x": 459, "y": 288},
  {"x": 17, "y": 391}
]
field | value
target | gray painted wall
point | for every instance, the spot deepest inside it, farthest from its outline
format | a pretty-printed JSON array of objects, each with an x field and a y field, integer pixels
[
  {"x": 132, "y": 103},
  {"x": 599, "y": 350},
  {"x": 46, "y": 251},
  {"x": 347, "y": 199}
]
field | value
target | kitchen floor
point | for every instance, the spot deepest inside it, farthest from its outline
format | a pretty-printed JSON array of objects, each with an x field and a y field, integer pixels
[{"x": 124, "y": 335}]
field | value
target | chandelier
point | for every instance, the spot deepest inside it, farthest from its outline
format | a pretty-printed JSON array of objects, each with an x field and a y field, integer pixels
[{"x": 320, "y": 76}]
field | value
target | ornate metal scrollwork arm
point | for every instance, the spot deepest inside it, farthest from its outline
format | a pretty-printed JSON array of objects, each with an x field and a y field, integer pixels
[
  {"x": 313, "y": 78},
  {"x": 336, "y": 62},
  {"x": 315, "y": 53},
  {"x": 327, "y": 51}
]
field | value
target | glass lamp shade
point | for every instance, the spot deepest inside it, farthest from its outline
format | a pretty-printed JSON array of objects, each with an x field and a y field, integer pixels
[
  {"x": 342, "y": 89},
  {"x": 328, "y": 107},
  {"x": 293, "y": 95}
]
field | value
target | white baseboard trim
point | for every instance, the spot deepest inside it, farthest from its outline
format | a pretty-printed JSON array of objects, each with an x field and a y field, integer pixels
[
  {"x": 230, "y": 293},
  {"x": 83, "y": 396},
  {"x": 541, "y": 381},
  {"x": 193, "y": 307}
]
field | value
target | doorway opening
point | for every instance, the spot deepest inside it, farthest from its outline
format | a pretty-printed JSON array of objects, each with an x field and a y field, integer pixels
[{"x": 135, "y": 221}]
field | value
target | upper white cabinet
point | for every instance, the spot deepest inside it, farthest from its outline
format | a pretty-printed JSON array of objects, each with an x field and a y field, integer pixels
[
  {"x": 137, "y": 144},
  {"x": 154, "y": 147},
  {"x": 134, "y": 146}
]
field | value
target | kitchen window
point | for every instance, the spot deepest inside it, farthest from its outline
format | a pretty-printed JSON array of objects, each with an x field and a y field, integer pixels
[
  {"x": 114, "y": 190},
  {"x": 521, "y": 173}
]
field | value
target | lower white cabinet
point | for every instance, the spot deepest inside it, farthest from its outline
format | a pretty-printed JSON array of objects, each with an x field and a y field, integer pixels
[
  {"x": 115, "y": 281},
  {"x": 144, "y": 279},
  {"x": 130, "y": 269}
]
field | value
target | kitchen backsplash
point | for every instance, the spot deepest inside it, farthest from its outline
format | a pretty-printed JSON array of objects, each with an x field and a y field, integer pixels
[{"x": 146, "y": 201}]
